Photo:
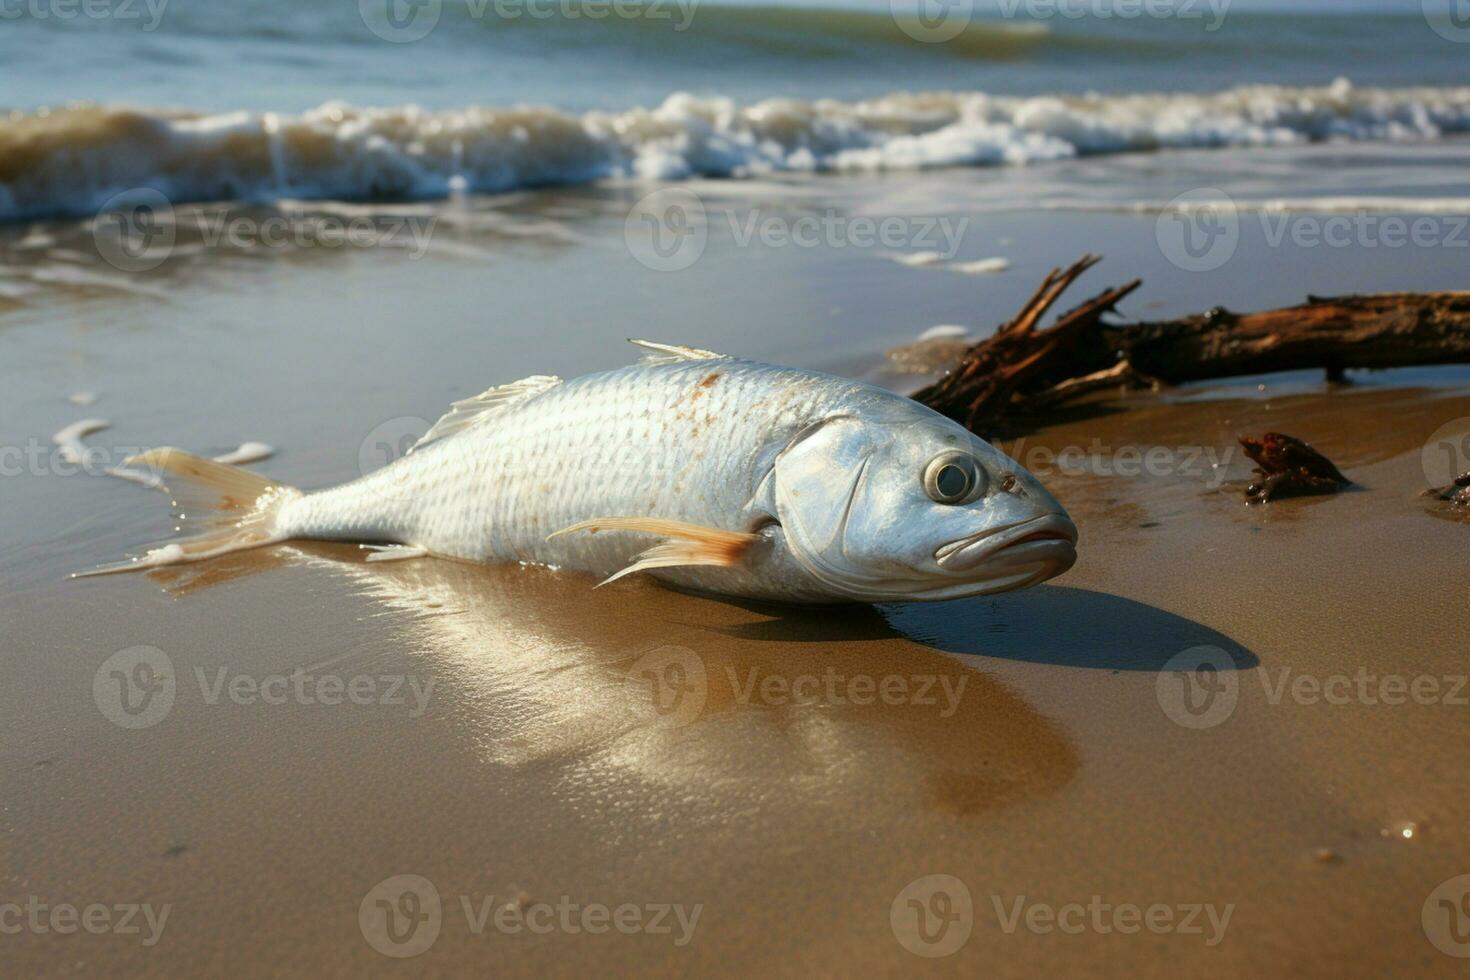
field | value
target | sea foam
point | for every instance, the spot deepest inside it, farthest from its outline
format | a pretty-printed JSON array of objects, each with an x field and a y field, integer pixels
[{"x": 73, "y": 160}]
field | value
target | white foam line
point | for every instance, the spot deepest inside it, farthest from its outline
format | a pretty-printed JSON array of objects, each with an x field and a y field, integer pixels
[
  {"x": 249, "y": 452},
  {"x": 980, "y": 267},
  {"x": 73, "y": 450}
]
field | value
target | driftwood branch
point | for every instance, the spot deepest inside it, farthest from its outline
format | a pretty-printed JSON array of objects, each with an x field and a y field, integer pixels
[{"x": 1023, "y": 369}]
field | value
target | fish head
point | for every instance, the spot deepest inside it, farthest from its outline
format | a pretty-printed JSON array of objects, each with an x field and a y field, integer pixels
[{"x": 915, "y": 507}]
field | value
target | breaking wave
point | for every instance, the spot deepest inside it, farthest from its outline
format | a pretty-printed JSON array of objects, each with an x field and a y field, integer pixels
[{"x": 72, "y": 160}]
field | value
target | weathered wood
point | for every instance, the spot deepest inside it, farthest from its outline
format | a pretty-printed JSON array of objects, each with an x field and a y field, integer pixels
[
  {"x": 1385, "y": 330},
  {"x": 1023, "y": 369}
]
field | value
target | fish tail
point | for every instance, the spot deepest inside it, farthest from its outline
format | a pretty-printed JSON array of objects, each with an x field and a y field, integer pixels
[{"x": 220, "y": 508}]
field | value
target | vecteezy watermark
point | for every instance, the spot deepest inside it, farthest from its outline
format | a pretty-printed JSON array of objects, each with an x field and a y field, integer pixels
[
  {"x": 1212, "y": 12},
  {"x": 149, "y": 11},
  {"x": 1446, "y": 917},
  {"x": 932, "y": 21},
  {"x": 1209, "y": 464},
  {"x": 1446, "y": 454},
  {"x": 674, "y": 681},
  {"x": 139, "y": 230},
  {"x": 43, "y": 918},
  {"x": 668, "y": 229},
  {"x": 386, "y": 444},
  {"x": 836, "y": 688},
  {"x": 1450, "y": 19},
  {"x": 1199, "y": 231},
  {"x": 831, "y": 229},
  {"x": 1198, "y": 688},
  {"x": 37, "y": 458},
  {"x": 1365, "y": 229},
  {"x": 406, "y": 21},
  {"x": 677, "y": 684},
  {"x": 1204, "y": 919},
  {"x": 402, "y": 916},
  {"x": 932, "y": 916},
  {"x": 137, "y": 688},
  {"x": 135, "y": 230},
  {"x": 1364, "y": 687}
]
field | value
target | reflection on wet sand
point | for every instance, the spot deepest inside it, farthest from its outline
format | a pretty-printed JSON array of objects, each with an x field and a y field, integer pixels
[{"x": 705, "y": 698}]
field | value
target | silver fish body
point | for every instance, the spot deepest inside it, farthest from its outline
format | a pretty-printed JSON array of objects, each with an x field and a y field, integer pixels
[{"x": 769, "y": 482}]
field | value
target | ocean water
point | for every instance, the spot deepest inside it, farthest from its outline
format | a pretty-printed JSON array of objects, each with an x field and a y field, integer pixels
[{"x": 264, "y": 100}]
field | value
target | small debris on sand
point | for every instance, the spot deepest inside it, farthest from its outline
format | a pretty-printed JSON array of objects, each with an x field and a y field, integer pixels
[
  {"x": 1288, "y": 467},
  {"x": 1457, "y": 493}
]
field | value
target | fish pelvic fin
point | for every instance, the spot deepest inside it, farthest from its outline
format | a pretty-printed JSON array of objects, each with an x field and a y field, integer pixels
[
  {"x": 220, "y": 508},
  {"x": 688, "y": 544}
]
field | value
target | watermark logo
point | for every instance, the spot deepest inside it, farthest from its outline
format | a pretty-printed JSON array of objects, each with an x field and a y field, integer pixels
[
  {"x": 41, "y": 918},
  {"x": 932, "y": 21},
  {"x": 1446, "y": 454},
  {"x": 401, "y": 916},
  {"x": 1446, "y": 917},
  {"x": 385, "y": 445},
  {"x": 1199, "y": 688},
  {"x": 1450, "y": 19},
  {"x": 406, "y": 21},
  {"x": 933, "y": 916},
  {"x": 1199, "y": 230},
  {"x": 1208, "y": 464},
  {"x": 135, "y": 231},
  {"x": 1364, "y": 229},
  {"x": 1204, "y": 919},
  {"x": 305, "y": 687},
  {"x": 667, "y": 230},
  {"x": 1215, "y": 10},
  {"x": 135, "y": 688},
  {"x": 67, "y": 10},
  {"x": 674, "y": 680},
  {"x": 401, "y": 21},
  {"x": 140, "y": 229},
  {"x": 1364, "y": 688}
]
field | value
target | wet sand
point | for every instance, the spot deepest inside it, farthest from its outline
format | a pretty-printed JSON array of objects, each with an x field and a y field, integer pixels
[{"x": 790, "y": 773}]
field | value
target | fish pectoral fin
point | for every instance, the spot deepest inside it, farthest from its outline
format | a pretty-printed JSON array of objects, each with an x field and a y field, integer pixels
[
  {"x": 394, "y": 552},
  {"x": 688, "y": 544}
]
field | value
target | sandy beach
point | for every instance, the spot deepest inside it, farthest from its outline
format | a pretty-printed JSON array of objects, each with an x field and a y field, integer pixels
[{"x": 785, "y": 780}]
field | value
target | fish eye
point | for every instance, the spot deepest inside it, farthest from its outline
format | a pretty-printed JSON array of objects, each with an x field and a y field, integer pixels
[{"x": 953, "y": 478}]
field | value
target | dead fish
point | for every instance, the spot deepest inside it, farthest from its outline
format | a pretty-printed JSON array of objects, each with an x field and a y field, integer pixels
[{"x": 709, "y": 472}]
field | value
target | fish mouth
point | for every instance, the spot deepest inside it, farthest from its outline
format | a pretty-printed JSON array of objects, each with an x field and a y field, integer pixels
[{"x": 1049, "y": 540}]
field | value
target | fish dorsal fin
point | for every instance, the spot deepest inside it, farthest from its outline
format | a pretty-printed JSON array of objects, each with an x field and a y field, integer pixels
[
  {"x": 668, "y": 353},
  {"x": 485, "y": 406}
]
